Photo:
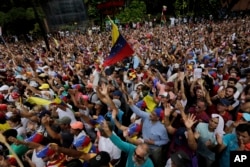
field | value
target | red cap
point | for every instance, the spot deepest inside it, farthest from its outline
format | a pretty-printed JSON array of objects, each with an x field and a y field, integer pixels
[
  {"x": 3, "y": 106},
  {"x": 15, "y": 95},
  {"x": 170, "y": 84},
  {"x": 65, "y": 78}
]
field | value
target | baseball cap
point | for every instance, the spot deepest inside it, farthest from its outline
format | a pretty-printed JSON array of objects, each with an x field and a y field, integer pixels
[
  {"x": 180, "y": 158},
  {"x": 117, "y": 103},
  {"x": 117, "y": 93},
  {"x": 77, "y": 86},
  {"x": 11, "y": 160},
  {"x": 170, "y": 84},
  {"x": 165, "y": 94},
  {"x": 15, "y": 95},
  {"x": 43, "y": 75},
  {"x": 3, "y": 106},
  {"x": 4, "y": 87},
  {"x": 43, "y": 113},
  {"x": 77, "y": 125},
  {"x": 224, "y": 102},
  {"x": 101, "y": 159},
  {"x": 33, "y": 84},
  {"x": 44, "y": 86},
  {"x": 89, "y": 85},
  {"x": 100, "y": 119},
  {"x": 176, "y": 65},
  {"x": 64, "y": 120},
  {"x": 159, "y": 112},
  {"x": 133, "y": 128}
]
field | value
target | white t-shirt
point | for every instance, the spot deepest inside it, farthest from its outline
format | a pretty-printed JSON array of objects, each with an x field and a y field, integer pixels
[
  {"x": 38, "y": 161},
  {"x": 105, "y": 144},
  {"x": 68, "y": 113}
]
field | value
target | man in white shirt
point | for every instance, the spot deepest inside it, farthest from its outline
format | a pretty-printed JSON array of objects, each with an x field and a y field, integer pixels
[
  {"x": 63, "y": 110},
  {"x": 105, "y": 144}
]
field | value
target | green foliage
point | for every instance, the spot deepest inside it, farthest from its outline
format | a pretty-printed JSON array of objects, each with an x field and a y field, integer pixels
[
  {"x": 2, "y": 18},
  {"x": 196, "y": 7},
  {"x": 17, "y": 16},
  {"x": 133, "y": 13}
]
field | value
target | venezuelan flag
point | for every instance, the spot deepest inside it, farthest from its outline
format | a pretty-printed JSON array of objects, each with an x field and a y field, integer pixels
[
  {"x": 37, "y": 138},
  {"x": 120, "y": 48}
]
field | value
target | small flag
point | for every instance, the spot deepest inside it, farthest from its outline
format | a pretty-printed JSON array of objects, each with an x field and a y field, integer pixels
[
  {"x": 82, "y": 141},
  {"x": 120, "y": 48},
  {"x": 56, "y": 42},
  {"x": 45, "y": 152},
  {"x": 37, "y": 138}
]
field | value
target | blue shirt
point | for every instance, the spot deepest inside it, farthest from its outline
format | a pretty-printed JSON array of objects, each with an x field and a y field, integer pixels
[
  {"x": 129, "y": 149},
  {"x": 155, "y": 131},
  {"x": 231, "y": 143}
]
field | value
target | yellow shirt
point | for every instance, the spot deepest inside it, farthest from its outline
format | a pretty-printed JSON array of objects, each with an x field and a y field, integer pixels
[{"x": 4, "y": 127}]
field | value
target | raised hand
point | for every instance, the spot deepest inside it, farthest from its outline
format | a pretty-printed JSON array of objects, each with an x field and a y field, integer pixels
[
  {"x": 189, "y": 121},
  {"x": 179, "y": 106},
  {"x": 167, "y": 110},
  {"x": 130, "y": 101},
  {"x": 104, "y": 89}
]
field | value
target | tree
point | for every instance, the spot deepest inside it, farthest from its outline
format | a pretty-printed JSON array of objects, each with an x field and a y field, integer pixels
[{"x": 135, "y": 12}]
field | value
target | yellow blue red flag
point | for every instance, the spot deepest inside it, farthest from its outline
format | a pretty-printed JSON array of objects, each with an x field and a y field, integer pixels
[{"x": 120, "y": 48}]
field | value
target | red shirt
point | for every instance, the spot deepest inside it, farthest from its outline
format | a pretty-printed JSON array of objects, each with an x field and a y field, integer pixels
[{"x": 200, "y": 116}]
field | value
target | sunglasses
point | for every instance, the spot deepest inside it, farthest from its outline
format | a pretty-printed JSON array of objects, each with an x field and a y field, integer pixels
[{"x": 138, "y": 156}]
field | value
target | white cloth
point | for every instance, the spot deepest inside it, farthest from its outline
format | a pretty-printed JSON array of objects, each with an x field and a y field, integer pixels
[
  {"x": 105, "y": 144},
  {"x": 220, "y": 127}
]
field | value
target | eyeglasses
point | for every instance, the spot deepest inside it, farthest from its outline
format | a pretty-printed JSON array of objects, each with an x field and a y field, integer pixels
[{"x": 138, "y": 156}]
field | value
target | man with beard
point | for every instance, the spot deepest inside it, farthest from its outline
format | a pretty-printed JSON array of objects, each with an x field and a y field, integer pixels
[{"x": 228, "y": 94}]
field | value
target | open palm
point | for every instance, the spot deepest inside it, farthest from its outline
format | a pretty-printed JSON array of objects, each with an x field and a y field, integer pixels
[{"x": 190, "y": 121}]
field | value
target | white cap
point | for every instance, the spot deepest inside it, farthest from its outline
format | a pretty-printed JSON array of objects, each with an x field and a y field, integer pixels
[
  {"x": 4, "y": 87},
  {"x": 117, "y": 103},
  {"x": 176, "y": 65},
  {"x": 19, "y": 77},
  {"x": 33, "y": 84}
]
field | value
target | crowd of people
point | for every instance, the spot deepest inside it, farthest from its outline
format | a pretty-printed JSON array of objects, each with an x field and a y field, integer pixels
[{"x": 181, "y": 100}]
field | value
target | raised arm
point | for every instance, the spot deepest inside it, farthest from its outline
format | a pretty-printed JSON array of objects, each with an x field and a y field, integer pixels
[
  {"x": 136, "y": 110},
  {"x": 189, "y": 121}
]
